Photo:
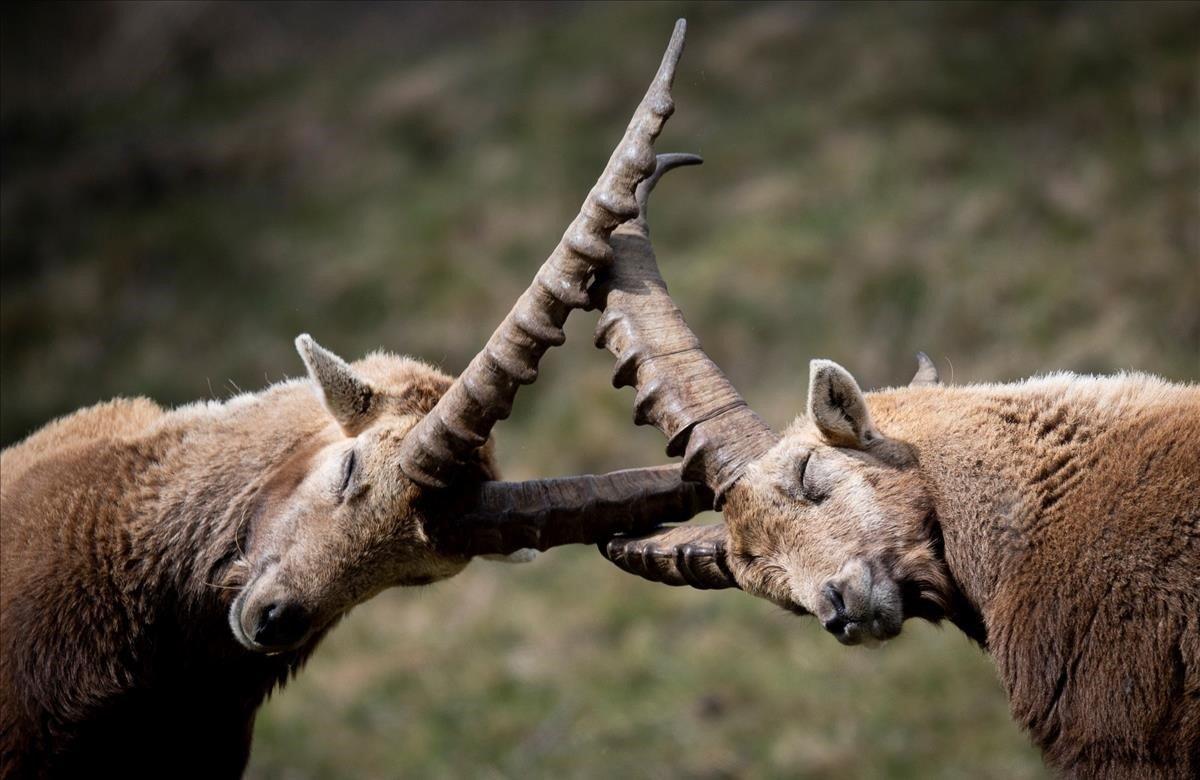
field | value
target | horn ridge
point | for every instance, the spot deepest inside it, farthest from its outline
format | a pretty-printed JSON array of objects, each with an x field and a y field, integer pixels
[
  {"x": 457, "y": 424},
  {"x": 680, "y": 390},
  {"x": 692, "y": 555}
]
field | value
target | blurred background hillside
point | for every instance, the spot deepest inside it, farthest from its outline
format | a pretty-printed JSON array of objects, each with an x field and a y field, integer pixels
[{"x": 1012, "y": 188}]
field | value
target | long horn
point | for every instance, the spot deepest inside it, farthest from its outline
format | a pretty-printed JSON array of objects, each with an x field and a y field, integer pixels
[
  {"x": 463, "y": 418},
  {"x": 503, "y": 517},
  {"x": 694, "y": 555},
  {"x": 680, "y": 390}
]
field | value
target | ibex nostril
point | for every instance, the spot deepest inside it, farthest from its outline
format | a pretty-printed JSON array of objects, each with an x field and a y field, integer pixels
[
  {"x": 835, "y": 625},
  {"x": 281, "y": 625},
  {"x": 834, "y": 595},
  {"x": 838, "y": 622}
]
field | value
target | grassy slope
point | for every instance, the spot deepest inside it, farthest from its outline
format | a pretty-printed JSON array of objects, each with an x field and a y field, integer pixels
[{"x": 1013, "y": 189}]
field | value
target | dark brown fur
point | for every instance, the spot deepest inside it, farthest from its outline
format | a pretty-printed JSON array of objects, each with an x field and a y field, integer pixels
[
  {"x": 1056, "y": 520},
  {"x": 127, "y": 532}
]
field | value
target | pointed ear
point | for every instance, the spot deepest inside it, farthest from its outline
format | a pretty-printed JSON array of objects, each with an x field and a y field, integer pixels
[
  {"x": 927, "y": 373},
  {"x": 837, "y": 406},
  {"x": 347, "y": 396}
]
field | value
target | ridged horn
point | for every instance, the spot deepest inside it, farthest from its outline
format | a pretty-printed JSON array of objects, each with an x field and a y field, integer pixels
[
  {"x": 680, "y": 390},
  {"x": 694, "y": 555},
  {"x": 503, "y": 517},
  {"x": 463, "y": 418}
]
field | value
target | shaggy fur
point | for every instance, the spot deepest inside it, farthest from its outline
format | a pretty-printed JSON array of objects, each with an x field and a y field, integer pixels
[
  {"x": 127, "y": 533},
  {"x": 1057, "y": 521}
]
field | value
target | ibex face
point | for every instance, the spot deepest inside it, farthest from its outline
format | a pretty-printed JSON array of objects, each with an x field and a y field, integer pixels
[
  {"x": 835, "y": 520},
  {"x": 830, "y": 519},
  {"x": 339, "y": 522}
]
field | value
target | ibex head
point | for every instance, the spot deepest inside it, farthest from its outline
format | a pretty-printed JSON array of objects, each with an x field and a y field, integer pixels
[
  {"x": 339, "y": 521},
  {"x": 835, "y": 519},
  {"x": 398, "y": 486},
  {"x": 830, "y": 519}
]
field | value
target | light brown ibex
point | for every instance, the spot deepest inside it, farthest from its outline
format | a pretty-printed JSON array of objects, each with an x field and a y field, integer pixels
[
  {"x": 162, "y": 571},
  {"x": 1056, "y": 521}
]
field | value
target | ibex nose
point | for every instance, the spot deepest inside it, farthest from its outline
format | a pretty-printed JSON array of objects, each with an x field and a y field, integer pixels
[
  {"x": 281, "y": 625},
  {"x": 836, "y": 622},
  {"x": 857, "y": 606}
]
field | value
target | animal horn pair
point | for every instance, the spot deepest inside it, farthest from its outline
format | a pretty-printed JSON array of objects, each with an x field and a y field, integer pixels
[
  {"x": 463, "y": 418},
  {"x": 681, "y": 392}
]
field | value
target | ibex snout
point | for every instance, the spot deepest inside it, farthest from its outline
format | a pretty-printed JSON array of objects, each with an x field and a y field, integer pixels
[
  {"x": 281, "y": 625},
  {"x": 270, "y": 624},
  {"x": 859, "y": 606}
]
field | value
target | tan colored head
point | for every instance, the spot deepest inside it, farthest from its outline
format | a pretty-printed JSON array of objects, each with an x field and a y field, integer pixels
[
  {"x": 339, "y": 522},
  {"x": 830, "y": 519},
  {"x": 835, "y": 520}
]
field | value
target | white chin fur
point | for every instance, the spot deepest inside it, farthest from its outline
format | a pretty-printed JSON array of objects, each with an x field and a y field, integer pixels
[
  {"x": 235, "y": 625},
  {"x": 524, "y": 555}
]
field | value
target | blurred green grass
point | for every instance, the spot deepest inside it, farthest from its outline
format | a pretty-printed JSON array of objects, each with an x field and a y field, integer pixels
[{"x": 1013, "y": 188}]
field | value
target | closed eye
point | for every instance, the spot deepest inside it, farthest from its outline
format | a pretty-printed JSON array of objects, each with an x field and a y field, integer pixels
[
  {"x": 348, "y": 464},
  {"x": 809, "y": 489},
  {"x": 802, "y": 468}
]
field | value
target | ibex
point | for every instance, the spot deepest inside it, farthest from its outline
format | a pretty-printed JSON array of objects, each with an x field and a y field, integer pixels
[
  {"x": 163, "y": 571},
  {"x": 1056, "y": 521}
]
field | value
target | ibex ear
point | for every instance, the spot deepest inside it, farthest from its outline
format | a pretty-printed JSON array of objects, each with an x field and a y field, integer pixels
[
  {"x": 837, "y": 406},
  {"x": 347, "y": 396},
  {"x": 927, "y": 373}
]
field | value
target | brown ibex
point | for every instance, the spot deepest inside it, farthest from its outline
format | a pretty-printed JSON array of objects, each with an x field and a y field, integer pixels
[
  {"x": 1056, "y": 521},
  {"x": 162, "y": 571}
]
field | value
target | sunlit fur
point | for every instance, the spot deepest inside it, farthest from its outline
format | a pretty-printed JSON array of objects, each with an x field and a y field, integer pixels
[
  {"x": 1055, "y": 520},
  {"x": 129, "y": 533},
  {"x": 862, "y": 513}
]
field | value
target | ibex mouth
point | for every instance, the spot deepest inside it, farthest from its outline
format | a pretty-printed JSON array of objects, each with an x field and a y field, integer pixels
[{"x": 872, "y": 631}]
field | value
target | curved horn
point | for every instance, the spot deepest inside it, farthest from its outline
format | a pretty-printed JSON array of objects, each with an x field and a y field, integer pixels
[
  {"x": 680, "y": 390},
  {"x": 692, "y": 555},
  {"x": 927, "y": 373},
  {"x": 463, "y": 418},
  {"x": 503, "y": 517}
]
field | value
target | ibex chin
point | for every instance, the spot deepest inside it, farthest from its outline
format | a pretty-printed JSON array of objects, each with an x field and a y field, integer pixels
[
  {"x": 162, "y": 571},
  {"x": 1056, "y": 521}
]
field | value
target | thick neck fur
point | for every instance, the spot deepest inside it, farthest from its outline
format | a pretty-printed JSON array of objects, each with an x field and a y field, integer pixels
[
  {"x": 1070, "y": 512},
  {"x": 156, "y": 507}
]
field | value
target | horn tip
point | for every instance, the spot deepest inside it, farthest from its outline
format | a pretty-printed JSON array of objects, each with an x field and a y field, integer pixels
[
  {"x": 674, "y": 51},
  {"x": 668, "y": 160}
]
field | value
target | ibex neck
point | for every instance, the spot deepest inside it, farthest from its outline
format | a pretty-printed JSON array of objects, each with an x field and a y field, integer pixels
[{"x": 1012, "y": 468}]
